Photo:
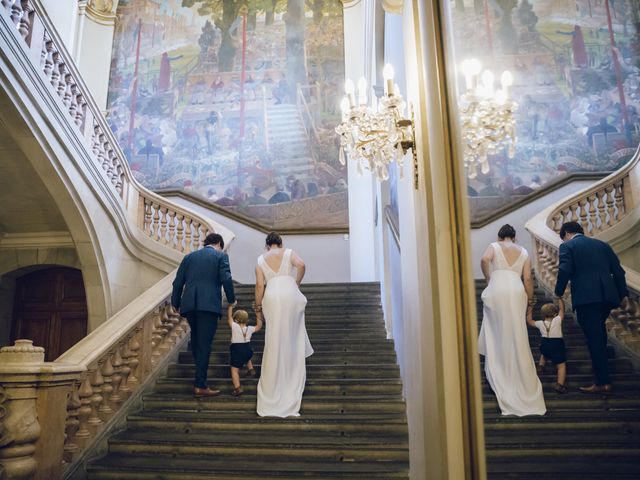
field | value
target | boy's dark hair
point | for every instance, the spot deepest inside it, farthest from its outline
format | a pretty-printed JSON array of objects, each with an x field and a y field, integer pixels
[
  {"x": 570, "y": 227},
  {"x": 273, "y": 239},
  {"x": 506, "y": 231},
  {"x": 549, "y": 310},
  {"x": 214, "y": 239}
]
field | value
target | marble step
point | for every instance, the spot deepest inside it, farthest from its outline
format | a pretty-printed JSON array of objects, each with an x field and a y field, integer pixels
[
  {"x": 313, "y": 371},
  {"x": 183, "y": 467}
]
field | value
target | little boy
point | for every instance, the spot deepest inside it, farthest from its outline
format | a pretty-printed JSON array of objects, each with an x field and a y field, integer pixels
[
  {"x": 240, "y": 348},
  {"x": 552, "y": 345}
]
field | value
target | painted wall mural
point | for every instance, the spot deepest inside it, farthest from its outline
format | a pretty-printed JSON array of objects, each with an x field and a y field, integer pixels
[
  {"x": 235, "y": 101},
  {"x": 577, "y": 82}
]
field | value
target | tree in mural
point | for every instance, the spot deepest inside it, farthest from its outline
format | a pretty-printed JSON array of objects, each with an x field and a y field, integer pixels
[
  {"x": 316, "y": 7},
  {"x": 527, "y": 16},
  {"x": 206, "y": 40},
  {"x": 223, "y": 13},
  {"x": 296, "y": 62}
]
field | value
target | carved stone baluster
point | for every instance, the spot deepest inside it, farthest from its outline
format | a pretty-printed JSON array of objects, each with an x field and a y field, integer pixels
[
  {"x": 72, "y": 424},
  {"x": 610, "y": 205},
  {"x": 163, "y": 224},
  {"x": 81, "y": 106},
  {"x": 116, "y": 379},
  {"x": 134, "y": 359},
  {"x": 16, "y": 12},
  {"x": 24, "y": 27},
  {"x": 197, "y": 241},
  {"x": 125, "y": 370},
  {"x": 102, "y": 158},
  {"x": 619, "y": 197},
  {"x": 156, "y": 336},
  {"x": 47, "y": 66},
  {"x": 165, "y": 343},
  {"x": 188, "y": 237},
  {"x": 176, "y": 319},
  {"x": 111, "y": 174},
  {"x": 119, "y": 177},
  {"x": 84, "y": 393},
  {"x": 67, "y": 94},
  {"x": 62, "y": 82},
  {"x": 171, "y": 222},
  {"x": 602, "y": 210},
  {"x": 180, "y": 231},
  {"x": 584, "y": 216},
  {"x": 172, "y": 322},
  {"x": 147, "y": 216},
  {"x": 107, "y": 388},
  {"x": 156, "y": 221},
  {"x": 7, "y": 5},
  {"x": 96, "y": 398},
  {"x": 55, "y": 70},
  {"x": 592, "y": 213}
]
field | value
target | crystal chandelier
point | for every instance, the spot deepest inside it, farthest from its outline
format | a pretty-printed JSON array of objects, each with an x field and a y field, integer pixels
[
  {"x": 487, "y": 116},
  {"x": 376, "y": 135}
]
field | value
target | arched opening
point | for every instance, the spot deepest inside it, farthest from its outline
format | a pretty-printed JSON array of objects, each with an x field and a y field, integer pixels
[{"x": 50, "y": 308}]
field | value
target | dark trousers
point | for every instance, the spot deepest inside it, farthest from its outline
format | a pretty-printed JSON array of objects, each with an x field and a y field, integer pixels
[
  {"x": 203, "y": 328},
  {"x": 591, "y": 318}
]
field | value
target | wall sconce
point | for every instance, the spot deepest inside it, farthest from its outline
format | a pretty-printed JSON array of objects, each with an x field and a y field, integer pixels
[
  {"x": 487, "y": 115},
  {"x": 376, "y": 135}
]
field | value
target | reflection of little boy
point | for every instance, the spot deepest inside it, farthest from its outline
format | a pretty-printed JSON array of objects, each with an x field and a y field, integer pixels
[
  {"x": 240, "y": 348},
  {"x": 552, "y": 344}
]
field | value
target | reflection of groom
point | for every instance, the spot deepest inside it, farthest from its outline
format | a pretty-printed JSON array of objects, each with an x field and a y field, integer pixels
[
  {"x": 196, "y": 292},
  {"x": 597, "y": 286}
]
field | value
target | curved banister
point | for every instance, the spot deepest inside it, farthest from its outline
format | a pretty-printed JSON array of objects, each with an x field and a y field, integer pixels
[{"x": 598, "y": 208}]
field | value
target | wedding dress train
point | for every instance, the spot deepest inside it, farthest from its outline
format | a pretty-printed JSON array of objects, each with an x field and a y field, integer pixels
[
  {"x": 286, "y": 344},
  {"x": 504, "y": 340}
]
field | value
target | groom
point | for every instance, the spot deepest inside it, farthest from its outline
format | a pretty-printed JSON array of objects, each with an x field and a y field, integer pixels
[
  {"x": 597, "y": 286},
  {"x": 196, "y": 293}
]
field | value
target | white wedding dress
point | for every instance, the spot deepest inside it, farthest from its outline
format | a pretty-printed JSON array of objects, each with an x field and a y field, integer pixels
[
  {"x": 504, "y": 341},
  {"x": 286, "y": 344}
]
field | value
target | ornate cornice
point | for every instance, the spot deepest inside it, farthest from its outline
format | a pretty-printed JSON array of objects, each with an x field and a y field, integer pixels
[
  {"x": 393, "y": 6},
  {"x": 101, "y": 11}
]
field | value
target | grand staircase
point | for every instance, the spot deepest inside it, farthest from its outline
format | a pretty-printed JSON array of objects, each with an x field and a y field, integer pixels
[
  {"x": 581, "y": 436},
  {"x": 287, "y": 135},
  {"x": 352, "y": 425}
]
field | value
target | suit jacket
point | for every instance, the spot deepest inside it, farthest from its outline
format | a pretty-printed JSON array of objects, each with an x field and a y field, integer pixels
[
  {"x": 199, "y": 279},
  {"x": 594, "y": 271}
]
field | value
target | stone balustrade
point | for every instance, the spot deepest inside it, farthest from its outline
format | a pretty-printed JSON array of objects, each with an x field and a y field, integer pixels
[{"x": 600, "y": 209}]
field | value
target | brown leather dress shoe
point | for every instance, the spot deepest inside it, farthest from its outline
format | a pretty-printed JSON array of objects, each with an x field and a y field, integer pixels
[
  {"x": 605, "y": 389},
  {"x": 205, "y": 392}
]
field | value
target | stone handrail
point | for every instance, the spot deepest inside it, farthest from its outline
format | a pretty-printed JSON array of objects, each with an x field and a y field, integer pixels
[
  {"x": 600, "y": 209},
  {"x": 174, "y": 226}
]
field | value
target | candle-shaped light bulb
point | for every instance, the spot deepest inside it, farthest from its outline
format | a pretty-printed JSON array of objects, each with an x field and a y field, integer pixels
[
  {"x": 344, "y": 106},
  {"x": 349, "y": 88},
  {"x": 501, "y": 96},
  {"x": 362, "y": 91},
  {"x": 388, "y": 74},
  {"x": 506, "y": 80},
  {"x": 487, "y": 82}
]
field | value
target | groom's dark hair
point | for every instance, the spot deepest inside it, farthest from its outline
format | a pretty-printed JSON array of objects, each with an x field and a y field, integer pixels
[
  {"x": 273, "y": 239},
  {"x": 214, "y": 239},
  {"x": 570, "y": 227}
]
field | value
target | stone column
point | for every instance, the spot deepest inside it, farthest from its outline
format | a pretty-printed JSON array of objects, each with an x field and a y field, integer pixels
[{"x": 33, "y": 404}]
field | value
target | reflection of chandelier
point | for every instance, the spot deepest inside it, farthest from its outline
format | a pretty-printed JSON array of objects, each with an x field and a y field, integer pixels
[
  {"x": 378, "y": 135},
  {"x": 488, "y": 123}
]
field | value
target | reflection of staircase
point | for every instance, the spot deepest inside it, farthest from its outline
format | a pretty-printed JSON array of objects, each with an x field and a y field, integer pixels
[
  {"x": 352, "y": 423},
  {"x": 286, "y": 130},
  {"x": 581, "y": 436}
]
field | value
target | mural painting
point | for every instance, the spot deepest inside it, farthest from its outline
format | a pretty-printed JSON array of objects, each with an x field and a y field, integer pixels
[
  {"x": 577, "y": 82},
  {"x": 234, "y": 101}
]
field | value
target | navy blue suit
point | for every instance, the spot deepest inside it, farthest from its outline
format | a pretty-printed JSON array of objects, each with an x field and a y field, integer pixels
[
  {"x": 197, "y": 294},
  {"x": 597, "y": 286}
]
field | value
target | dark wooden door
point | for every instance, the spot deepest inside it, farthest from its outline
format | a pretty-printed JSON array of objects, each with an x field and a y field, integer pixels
[{"x": 50, "y": 308}]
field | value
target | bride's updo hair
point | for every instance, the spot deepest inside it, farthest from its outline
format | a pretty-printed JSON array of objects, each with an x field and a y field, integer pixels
[
  {"x": 273, "y": 239},
  {"x": 507, "y": 231}
]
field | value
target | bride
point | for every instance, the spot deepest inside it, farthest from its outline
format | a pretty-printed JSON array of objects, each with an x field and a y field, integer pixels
[
  {"x": 286, "y": 344},
  {"x": 504, "y": 341}
]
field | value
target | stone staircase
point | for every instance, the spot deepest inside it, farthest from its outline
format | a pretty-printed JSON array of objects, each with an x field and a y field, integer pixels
[
  {"x": 581, "y": 436},
  {"x": 285, "y": 129},
  {"x": 352, "y": 425}
]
